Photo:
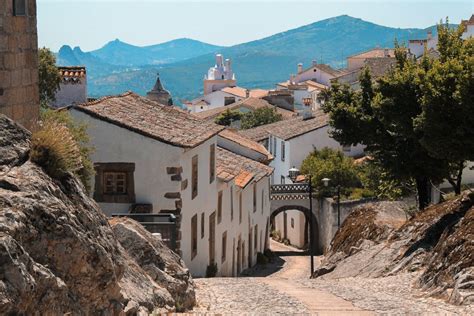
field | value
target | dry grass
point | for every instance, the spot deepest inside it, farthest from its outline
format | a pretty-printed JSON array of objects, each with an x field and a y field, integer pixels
[{"x": 54, "y": 149}]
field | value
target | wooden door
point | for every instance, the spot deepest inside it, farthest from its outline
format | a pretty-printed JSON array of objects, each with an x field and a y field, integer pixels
[{"x": 212, "y": 238}]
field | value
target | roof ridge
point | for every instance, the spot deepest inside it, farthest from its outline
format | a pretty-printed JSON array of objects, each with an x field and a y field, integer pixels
[{"x": 107, "y": 97}]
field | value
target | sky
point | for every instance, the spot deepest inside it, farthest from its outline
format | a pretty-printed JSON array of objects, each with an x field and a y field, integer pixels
[{"x": 90, "y": 24}]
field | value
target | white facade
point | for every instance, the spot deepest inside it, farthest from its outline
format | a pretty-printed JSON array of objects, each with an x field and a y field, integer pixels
[
  {"x": 114, "y": 144},
  {"x": 417, "y": 47},
  {"x": 72, "y": 90},
  {"x": 219, "y": 76},
  {"x": 211, "y": 101},
  {"x": 316, "y": 74},
  {"x": 295, "y": 151}
]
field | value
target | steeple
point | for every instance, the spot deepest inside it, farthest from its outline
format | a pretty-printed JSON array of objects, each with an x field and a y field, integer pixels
[{"x": 159, "y": 94}]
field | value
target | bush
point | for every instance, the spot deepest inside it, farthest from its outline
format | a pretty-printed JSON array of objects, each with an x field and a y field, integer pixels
[
  {"x": 261, "y": 116},
  {"x": 276, "y": 235},
  {"x": 227, "y": 117},
  {"x": 55, "y": 150},
  {"x": 361, "y": 193},
  {"x": 79, "y": 134},
  {"x": 211, "y": 270}
]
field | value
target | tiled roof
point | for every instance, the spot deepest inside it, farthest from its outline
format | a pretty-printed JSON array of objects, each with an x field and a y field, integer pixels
[
  {"x": 315, "y": 84},
  {"x": 233, "y": 166},
  {"x": 72, "y": 71},
  {"x": 143, "y": 116},
  {"x": 380, "y": 66},
  {"x": 246, "y": 142},
  {"x": 242, "y": 92},
  {"x": 249, "y": 103},
  {"x": 468, "y": 22},
  {"x": 323, "y": 67},
  {"x": 375, "y": 53},
  {"x": 288, "y": 129}
]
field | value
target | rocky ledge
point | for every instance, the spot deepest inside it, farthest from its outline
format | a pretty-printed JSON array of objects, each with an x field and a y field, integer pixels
[
  {"x": 59, "y": 254},
  {"x": 380, "y": 240}
]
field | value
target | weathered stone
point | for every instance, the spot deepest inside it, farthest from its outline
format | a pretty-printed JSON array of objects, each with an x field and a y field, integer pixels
[{"x": 58, "y": 253}]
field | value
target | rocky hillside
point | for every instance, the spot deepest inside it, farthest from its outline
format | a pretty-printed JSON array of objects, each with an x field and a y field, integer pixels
[
  {"x": 58, "y": 253},
  {"x": 437, "y": 245}
]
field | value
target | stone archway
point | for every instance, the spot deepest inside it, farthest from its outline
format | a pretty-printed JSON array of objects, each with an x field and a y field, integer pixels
[{"x": 307, "y": 215}]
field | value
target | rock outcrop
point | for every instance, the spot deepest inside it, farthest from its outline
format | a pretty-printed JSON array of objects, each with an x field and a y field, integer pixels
[
  {"x": 59, "y": 254},
  {"x": 437, "y": 242}
]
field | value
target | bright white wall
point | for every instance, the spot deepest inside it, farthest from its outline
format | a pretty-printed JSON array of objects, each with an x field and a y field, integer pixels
[
  {"x": 295, "y": 234},
  {"x": 318, "y": 76},
  {"x": 68, "y": 94},
  {"x": 239, "y": 149},
  {"x": 215, "y": 99},
  {"x": 116, "y": 144}
]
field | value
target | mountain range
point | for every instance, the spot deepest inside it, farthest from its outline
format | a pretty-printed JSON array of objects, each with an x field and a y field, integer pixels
[{"x": 182, "y": 63}]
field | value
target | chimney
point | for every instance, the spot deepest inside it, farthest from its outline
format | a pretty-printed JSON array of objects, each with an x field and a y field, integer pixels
[
  {"x": 386, "y": 52},
  {"x": 300, "y": 68},
  {"x": 292, "y": 79},
  {"x": 247, "y": 93},
  {"x": 430, "y": 35},
  {"x": 314, "y": 62}
]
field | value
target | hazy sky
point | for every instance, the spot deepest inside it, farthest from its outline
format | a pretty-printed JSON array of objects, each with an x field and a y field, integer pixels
[{"x": 90, "y": 24}]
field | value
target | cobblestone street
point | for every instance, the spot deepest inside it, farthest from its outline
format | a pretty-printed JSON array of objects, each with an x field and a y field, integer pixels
[{"x": 283, "y": 288}]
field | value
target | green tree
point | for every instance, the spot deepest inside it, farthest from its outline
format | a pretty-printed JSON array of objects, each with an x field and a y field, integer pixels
[
  {"x": 261, "y": 116},
  {"x": 447, "y": 118},
  {"x": 85, "y": 172},
  {"x": 227, "y": 117},
  {"x": 381, "y": 117},
  {"x": 49, "y": 77},
  {"x": 332, "y": 164}
]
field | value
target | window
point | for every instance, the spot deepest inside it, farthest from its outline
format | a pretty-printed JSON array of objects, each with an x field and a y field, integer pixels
[
  {"x": 282, "y": 180},
  {"x": 194, "y": 177},
  {"x": 114, "y": 183},
  {"x": 194, "y": 241},
  {"x": 274, "y": 147},
  {"x": 219, "y": 207},
  {"x": 256, "y": 237},
  {"x": 282, "y": 151},
  {"x": 19, "y": 7},
  {"x": 212, "y": 163},
  {"x": 270, "y": 147},
  {"x": 231, "y": 203},
  {"x": 202, "y": 225},
  {"x": 292, "y": 223},
  {"x": 224, "y": 245},
  {"x": 240, "y": 207},
  {"x": 254, "y": 197}
]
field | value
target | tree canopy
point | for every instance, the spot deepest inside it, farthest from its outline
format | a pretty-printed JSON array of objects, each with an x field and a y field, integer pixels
[
  {"x": 395, "y": 116},
  {"x": 261, "y": 116},
  {"x": 227, "y": 117},
  {"x": 49, "y": 77}
]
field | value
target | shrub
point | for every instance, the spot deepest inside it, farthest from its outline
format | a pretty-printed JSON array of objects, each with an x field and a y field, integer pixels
[
  {"x": 361, "y": 193},
  {"x": 276, "y": 235},
  {"x": 227, "y": 117},
  {"x": 211, "y": 270},
  {"x": 55, "y": 150},
  {"x": 79, "y": 134},
  {"x": 261, "y": 116}
]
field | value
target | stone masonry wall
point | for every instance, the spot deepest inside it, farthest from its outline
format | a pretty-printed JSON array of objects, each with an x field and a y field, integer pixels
[{"x": 19, "y": 94}]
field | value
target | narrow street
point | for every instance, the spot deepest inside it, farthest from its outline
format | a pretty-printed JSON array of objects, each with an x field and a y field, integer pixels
[{"x": 275, "y": 290}]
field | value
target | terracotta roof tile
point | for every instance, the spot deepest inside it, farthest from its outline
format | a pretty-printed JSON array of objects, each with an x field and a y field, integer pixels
[
  {"x": 242, "y": 92},
  {"x": 249, "y": 103},
  {"x": 246, "y": 142},
  {"x": 233, "y": 166},
  {"x": 288, "y": 129},
  {"x": 164, "y": 123},
  {"x": 375, "y": 53},
  {"x": 72, "y": 71}
]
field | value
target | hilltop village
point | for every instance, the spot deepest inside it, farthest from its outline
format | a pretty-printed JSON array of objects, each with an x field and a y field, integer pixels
[{"x": 206, "y": 189}]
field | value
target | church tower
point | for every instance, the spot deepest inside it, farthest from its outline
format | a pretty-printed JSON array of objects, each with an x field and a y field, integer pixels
[
  {"x": 159, "y": 94},
  {"x": 220, "y": 76}
]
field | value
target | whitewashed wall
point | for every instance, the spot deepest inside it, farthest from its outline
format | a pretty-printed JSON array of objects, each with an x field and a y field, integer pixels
[
  {"x": 68, "y": 94},
  {"x": 318, "y": 76}
]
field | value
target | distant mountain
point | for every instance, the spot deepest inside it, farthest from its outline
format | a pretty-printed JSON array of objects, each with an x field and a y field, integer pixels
[
  {"x": 120, "y": 53},
  {"x": 260, "y": 63}
]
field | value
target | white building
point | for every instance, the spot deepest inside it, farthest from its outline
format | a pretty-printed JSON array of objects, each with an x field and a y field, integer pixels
[
  {"x": 290, "y": 142},
  {"x": 417, "y": 46},
  {"x": 320, "y": 73},
  {"x": 468, "y": 27},
  {"x": 72, "y": 87},
  {"x": 161, "y": 159},
  {"x": 219, "y": 76},
  {"x": 308, "y": 89}
]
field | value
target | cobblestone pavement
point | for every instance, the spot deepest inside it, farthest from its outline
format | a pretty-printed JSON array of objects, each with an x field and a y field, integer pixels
[{"x": 284, "y": 288}]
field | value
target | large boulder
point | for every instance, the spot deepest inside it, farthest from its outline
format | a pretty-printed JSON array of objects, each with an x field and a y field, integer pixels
[
  {"x": 437, "y": 243},
  {"x": 58, "y": 253}
]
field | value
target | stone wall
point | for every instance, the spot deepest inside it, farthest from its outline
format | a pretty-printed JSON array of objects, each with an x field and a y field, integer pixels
[{"x": 19, "y": 94}]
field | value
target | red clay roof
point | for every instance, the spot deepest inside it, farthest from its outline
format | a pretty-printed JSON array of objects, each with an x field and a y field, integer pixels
[
  {"x": 242, "y": 92},
  {"x": 233, "y": 166},
  {"x": 149, "y": 118},
  {"x": 72, "y": 71},
  {"x": 375, "y": 53},
  {"x": 246, "y": 142}
]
